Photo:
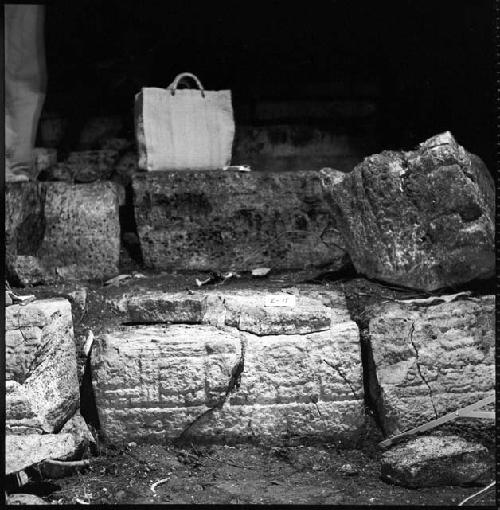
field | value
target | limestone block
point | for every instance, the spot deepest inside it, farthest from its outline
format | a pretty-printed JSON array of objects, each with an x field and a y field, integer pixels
[
  {"x": 24, "y": 451},
  {"x": 40, "y": 366},
  {"x": 432, "y": 360},
  {"x": 422, "y": 219},
  {"x": 302, "y": 380},
  {"x": 61, "y": 231},
  {"x": 431, "y": 461},
  {"x": 220, "y": 220}
]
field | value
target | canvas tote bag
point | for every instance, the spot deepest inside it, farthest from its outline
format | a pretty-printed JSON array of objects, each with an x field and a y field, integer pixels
[{"x": 184, "y": 129}]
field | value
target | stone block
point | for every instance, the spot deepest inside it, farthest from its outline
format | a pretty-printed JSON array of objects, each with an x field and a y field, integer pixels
[
  {"x": 432, "y": 360},
  {"x": 40, "y": 366},
  {"x": 222, "y": 220},
  {"x": 266, "y": 373},
  {"x": 422, "y": 219},
  {"x": 24, "y": 451},
  {"x": 61, "y": 232},
  {"x": 432, "y": 461}
]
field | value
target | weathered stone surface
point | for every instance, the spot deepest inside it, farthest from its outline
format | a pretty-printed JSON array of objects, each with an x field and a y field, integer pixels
[
  {"x": 248, "y": 310},
  {"x": 26, "y": 450},
  {"x": 301, "y": 373},
  {"x": 54, "y": 469},
  {"x": 25, "y": 499},
  {"x": 431, "y": 461},
  {"x": 44, "y": 158},
  {"x": 41, "y": 365},
  {"x": 61, "y": 231},
  {"x": 421, "y": 219},
  {"x": 222, "y": 220},
  {"x": 90, "y": 166},
  {"x": 432, "y": 360}
]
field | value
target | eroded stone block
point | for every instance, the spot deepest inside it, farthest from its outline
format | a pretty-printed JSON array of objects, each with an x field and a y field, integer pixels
[
  {"x": 432, "y": 360},
  {"x": 61, "y": 231},
  {"x": 40, "y": 366},
  {"x": 221, "y": 220}
]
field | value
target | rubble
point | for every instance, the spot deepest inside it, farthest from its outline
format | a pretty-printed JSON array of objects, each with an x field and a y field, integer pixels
[
  {"x": 430, "y": 461},
  {"x": 422, "y": 219}
]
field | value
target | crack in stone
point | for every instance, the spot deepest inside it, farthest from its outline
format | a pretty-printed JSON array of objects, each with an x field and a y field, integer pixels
[
  {"x": 343, "y": 376},
  {"x": 431, "y": 396},
  {"x": 234, "y": 383}
]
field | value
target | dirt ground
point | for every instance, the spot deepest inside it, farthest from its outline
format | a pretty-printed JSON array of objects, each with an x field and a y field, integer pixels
[
  {"x": 240, "y": 474},
  {"x": 244, "y": 474}
]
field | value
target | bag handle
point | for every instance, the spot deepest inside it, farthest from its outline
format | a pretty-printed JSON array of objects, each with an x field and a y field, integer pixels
[{"x": 173, "y": 86}]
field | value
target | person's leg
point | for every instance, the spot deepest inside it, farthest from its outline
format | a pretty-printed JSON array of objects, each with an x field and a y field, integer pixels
[{"x": 25, "y": 82}]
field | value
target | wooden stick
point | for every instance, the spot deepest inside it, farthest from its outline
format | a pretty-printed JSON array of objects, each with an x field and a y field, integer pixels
[{"x": 464, "y": 412}]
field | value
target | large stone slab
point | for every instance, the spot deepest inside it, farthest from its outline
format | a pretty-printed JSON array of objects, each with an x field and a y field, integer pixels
[
  {"x": 421, "y": 219},
  {"x": 221, "y": 220},
  {"x": 42, "y": 383},
  {"x": 431, "y": 461},
  {"x": 239, "y": 370},
  {"x": 57, "y": 231},
  {"x": 432, "y": 360}
]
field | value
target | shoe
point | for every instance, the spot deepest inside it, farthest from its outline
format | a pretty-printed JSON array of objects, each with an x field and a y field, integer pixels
[{"x": 16, "y": 172}]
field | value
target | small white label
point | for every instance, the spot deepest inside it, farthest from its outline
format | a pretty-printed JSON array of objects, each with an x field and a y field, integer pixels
[{"x": 288, "y": 300}]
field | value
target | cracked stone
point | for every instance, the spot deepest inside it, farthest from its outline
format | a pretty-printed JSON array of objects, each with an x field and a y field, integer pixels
[
  {"x": 41, "y": 360},
  {"x": 430, "y": 461},
  {"x": 431, "y": 360},
  {"x": 422, "y": 219},
  {"x": 187, "y": 378}
]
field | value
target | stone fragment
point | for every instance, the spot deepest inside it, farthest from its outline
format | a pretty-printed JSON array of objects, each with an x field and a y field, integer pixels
[
  {"x": 8, "y": 299},
  {"x": 25, "y": 499},
  {"x": 41, "y": 358},
  {"x": 422, "y": 219},
  {"x": 431, "y": 461},
  {"x": 61, "y": 232},
  {"x": 298, "y": 376},
  {"x": 77, "y": 426},
  {"x": 54, "y": 469},
  {"x": 22, "y": 451},
  {"x": 78, "y": 299},
  {"x": 221, "y": 220},
  {"x": 431, "y": 360},
  {"x": 44, "y": 158}
]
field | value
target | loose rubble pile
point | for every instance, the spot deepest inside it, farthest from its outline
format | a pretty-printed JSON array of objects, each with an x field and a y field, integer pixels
[{"x": 231, "y": 362}]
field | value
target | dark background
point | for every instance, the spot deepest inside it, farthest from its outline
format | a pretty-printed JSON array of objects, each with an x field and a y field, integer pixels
[{"x": 427, "y": 65}]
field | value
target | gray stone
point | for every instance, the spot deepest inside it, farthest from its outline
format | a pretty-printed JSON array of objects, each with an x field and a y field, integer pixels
[
  {"x": 222, "y": 220},
  {"x": 422, "y": 219},
  {"x": 22, "y": 451},
  {"x": 431, "y": 360},
  {"x": 301, "y": 369},
  {"x": 25, "y": 499},
  {"x": 54, "y": 469},
  {"x": 41, "y": 360},
  {"x": 61, "y": 232},
  {"x": 431, "y": 461},
  {"x": 90, "y": 166}
]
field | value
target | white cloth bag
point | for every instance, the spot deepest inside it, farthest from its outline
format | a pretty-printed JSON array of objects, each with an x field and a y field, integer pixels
[{"x": 184, "y": 129}]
